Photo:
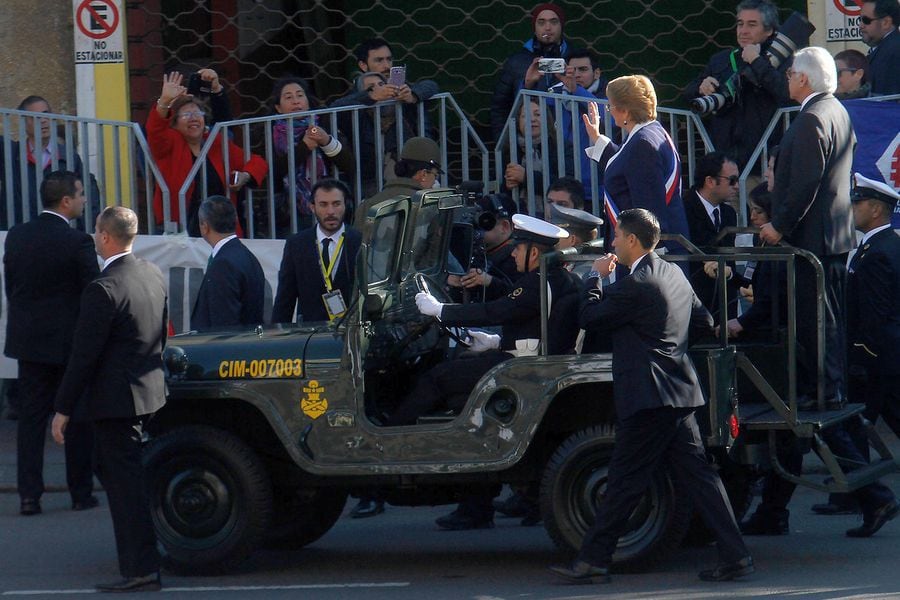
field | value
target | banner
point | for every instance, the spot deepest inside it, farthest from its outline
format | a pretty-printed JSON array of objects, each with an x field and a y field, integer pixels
[
  {"x": 877, "y": 126},
  {"x": 182, "y": 260}
]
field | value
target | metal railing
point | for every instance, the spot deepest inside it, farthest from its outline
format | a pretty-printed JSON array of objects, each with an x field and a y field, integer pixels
[
  {"x": 112, "y": 158},
  {"x": 469, "y": 144},
  {"x": 685, "y": 128}
]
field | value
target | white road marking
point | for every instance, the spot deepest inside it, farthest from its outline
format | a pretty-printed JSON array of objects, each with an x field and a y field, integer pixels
[{"x": 229, "y": 588}]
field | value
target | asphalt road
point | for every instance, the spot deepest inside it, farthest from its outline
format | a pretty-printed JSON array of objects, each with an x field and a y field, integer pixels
[{"x": 401, "y": 555}]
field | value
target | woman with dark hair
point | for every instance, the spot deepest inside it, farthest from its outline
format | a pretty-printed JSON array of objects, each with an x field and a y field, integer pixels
[
  {"x": 176, "y": 132},
  {"x": 852, "y": 66},
  {"x": 315, "y": 151}
]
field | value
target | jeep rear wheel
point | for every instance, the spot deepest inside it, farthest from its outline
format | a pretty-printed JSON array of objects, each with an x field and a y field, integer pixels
[
  {"x": 210, "y": 498},
  {"x": 573, "y": 484},
  {"x": 303, "y": 516}
]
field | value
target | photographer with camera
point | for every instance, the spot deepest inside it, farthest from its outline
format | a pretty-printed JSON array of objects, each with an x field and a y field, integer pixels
[{"x": 751, "y": 88}]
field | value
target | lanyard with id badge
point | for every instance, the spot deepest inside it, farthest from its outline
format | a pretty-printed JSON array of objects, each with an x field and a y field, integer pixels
[{"x": 334, "y": 301}]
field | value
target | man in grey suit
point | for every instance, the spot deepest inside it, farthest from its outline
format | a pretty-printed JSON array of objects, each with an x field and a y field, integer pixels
[
  {"x": 116, "y": 368},
  {"x": 648, "y": 314},
  {"x": 811, "y": 210},
  {"x": 48, "y": 264}
]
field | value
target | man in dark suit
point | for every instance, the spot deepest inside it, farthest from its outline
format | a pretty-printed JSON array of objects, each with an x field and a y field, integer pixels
[
  {"x": 708, "y": 212},
  {"x": 811, "y": 210},
  {"x": 116, "y": 369},
  {"x": 234, "y": 287},
  {"x": 317, "y": 267},
  {"x": 878, "y": 23},
  {"x": 648, "y": 314},
  {"x": 48, "y": 264}
]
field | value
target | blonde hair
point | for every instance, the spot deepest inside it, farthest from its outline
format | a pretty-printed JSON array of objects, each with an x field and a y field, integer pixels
[{"x": 634, "y": 94}]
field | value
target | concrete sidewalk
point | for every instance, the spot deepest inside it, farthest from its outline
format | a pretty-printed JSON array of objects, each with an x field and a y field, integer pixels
[{"x": 55, "y": 462}]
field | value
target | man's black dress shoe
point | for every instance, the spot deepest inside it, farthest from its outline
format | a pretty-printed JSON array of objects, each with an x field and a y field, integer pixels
[
  {"x": 86, "y": 504},
  {"x": 29, "y": 507},
  {"x": 460, "y": 521},
  {"x": 874, "y": 523},
  {"x": 145, "y": 583},
  {"x": 367, "y": 507},
  {"x": 729, "y": 571},
  {"x": 581, "y": 572}
]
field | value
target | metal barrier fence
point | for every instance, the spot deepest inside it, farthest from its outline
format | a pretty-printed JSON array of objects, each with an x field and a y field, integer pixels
[
  {"x": 457, "y": 137},
  {"x": 685, "y": 128},
  {"x": 112, "y": 158},
  {"x": 760, "y": 156}
]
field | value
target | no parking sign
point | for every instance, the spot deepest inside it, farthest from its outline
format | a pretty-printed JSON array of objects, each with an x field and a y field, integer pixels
[
  {"x": 98, "y": 32},
  {"x": 842, "y": 20}
]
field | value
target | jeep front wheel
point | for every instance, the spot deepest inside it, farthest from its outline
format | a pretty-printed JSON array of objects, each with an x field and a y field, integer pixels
[
  {"x": 210, "y": 498},
  {"x": 302, "y": 516},
  {"x": 574, "y": 483}
]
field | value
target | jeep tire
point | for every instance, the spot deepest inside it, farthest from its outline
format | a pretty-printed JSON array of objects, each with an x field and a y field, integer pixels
[
  {"x": 210, "y": 498},
  {"x": 574, "y": 481},
  {"x": 301, "y": 516}
]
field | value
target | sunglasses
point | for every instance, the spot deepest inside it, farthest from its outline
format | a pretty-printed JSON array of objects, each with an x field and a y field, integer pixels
[
  {"x": 868, "y": 20},
  {"x": 731, "y": 179}
]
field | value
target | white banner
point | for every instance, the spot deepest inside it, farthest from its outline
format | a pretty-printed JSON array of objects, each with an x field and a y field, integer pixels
[{"x": 183, "y": 262}]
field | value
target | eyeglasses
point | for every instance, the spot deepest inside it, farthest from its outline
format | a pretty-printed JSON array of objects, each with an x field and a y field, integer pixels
[
  {"x": 789, "y": 73},
  {"x": 609, "y": 107},
  {"x": 190, "y": 114},
  {"x": 847, "y": 70},
  {"x": 731, "y": 179},
  {"x": 868, "y": 20}
]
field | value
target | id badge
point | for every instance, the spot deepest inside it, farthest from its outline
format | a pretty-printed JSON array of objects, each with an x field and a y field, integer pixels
[{"x": 334, "y": 304}]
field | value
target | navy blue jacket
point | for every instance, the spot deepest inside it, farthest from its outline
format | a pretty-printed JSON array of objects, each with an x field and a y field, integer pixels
[{"x": 232, "y": 292}]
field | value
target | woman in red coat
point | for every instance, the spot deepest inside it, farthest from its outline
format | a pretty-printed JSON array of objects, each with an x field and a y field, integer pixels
[{"x": 176, "y": 131}]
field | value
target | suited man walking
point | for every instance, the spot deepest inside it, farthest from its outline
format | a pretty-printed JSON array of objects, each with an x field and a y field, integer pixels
[
  {"x": 316, "y": 273},
  {"x": 648, "y": 314},
  {"x": 708, "y": 212},
  {"x": 811, "y": 210},
  {"x": 116, "y": 369},
  {"x": 48, "y": 264},
  {"x": 234, "y": 287}
]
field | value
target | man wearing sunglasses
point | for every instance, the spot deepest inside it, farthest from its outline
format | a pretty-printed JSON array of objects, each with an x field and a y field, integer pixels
[
  {"x": 708, "y": 212},
  {"x": 878, "y": 23}
]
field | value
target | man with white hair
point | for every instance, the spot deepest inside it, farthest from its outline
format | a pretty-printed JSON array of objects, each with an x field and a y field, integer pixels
[{"x": 811, "y": 210}]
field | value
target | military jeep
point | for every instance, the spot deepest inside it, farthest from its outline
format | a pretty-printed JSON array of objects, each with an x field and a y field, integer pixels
[{"x": 265, "y": 432}]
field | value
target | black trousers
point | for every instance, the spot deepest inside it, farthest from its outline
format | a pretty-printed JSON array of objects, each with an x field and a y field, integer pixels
[
  {"x": 643, "y": 441},
  {"x": 38, "y": 383},
  {"x": 833, "y": 322},
  {"x": 446, "y": 385},
  {"x": 121, "y": 471}
]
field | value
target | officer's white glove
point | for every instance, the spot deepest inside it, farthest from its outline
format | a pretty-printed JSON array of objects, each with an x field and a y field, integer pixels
[
  {"x": 428, "y": 305},
  {"x": 481, "y": 341}
]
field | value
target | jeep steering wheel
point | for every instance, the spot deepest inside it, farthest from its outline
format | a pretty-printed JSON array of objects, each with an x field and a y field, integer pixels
[{"x": 427, "y": 285}]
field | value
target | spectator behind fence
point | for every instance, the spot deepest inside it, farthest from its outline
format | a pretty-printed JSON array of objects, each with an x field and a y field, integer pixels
[
  {"x": 851, "y": 69},
  {"x": 737, "y": 128},
  {"x": 234, "y": 286},
  {"x": 291, "y": 95},
  {"x": 25, "y": 192},
  {"x": 375, "y": 55},
  {"x": 176, "y": 131},
  {"x": 515, "y": 176},
  {"x": 708, "y": 212},
  {"x": 47, "y": 265},
  {"x": 878, "y": 23},
  {"x": 645, "y": 171},
  {"x": 547, "y": 21},
  {"x": 587, "y": 72}
]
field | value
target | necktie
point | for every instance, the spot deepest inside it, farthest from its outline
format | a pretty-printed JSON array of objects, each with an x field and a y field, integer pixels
[
  {"x": 209, "y": 261},
  {"x": 717, "y": 221},
  {"x": 326, "y": 260},
  {"x": 856, "y": 256}
]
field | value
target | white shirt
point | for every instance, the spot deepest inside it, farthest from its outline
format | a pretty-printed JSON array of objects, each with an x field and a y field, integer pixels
[
  {"x": 334, "y": 237},
  {"x": 872, "y": 232},
  {"x": 50, "y": 212},
  {"x": 221, "y": 243},
  {"x": 710, "y": 208},
  {"x": 808, "y": 98},
  {"x": 113, "y": 258}
]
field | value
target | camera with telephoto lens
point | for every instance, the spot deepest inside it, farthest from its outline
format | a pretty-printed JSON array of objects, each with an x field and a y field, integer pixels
[{"x": 781, "y": 46}]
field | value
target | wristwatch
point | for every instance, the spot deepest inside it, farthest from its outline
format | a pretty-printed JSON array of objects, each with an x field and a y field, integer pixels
[{"x": 594, "y": 275}]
